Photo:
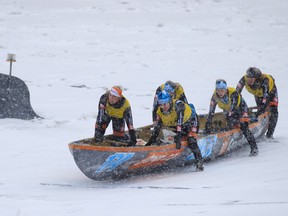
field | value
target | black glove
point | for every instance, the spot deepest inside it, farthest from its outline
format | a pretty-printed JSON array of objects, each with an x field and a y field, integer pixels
[
  {"x": 177, "y": 140},
  {"x": 149, "y": 143},
  {"x": 154, "y": 136},
  {"x": 131, "y": 143},
  {"x": 133, "y": 139}
]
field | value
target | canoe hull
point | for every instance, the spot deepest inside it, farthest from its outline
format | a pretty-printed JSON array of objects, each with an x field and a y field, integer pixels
[{"x": 108, "y": 162}]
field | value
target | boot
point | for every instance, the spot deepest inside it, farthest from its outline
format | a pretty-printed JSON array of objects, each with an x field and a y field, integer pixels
[
  {"x": 254, "y": 148},
  {"x": 269, "y": 135},
  {"x": 272, "y": 122},
  {"x": 250, "y": 138},
  {"x": 192, "y": 143},
  {"x": 199, "y": 159},
  {"x": 254, "y": 151},
  {"x": 200, "y": 166}
]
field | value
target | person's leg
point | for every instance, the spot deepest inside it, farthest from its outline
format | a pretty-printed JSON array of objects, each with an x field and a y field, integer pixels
[
  {"x": 273, "y": 97},
  {"x": 100, "y": 129},
  {"x": 272, "y": 121},
  {"x": 250, "y": 138},
  {"x": 192, "y": 143}
]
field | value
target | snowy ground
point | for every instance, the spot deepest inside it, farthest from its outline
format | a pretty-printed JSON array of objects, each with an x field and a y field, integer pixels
[{"x": 138, "y": 44}]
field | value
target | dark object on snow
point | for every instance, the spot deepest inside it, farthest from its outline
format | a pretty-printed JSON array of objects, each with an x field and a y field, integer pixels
[
  {"x": 15, "y": 99},
  {"x": 109, "y": 159}
]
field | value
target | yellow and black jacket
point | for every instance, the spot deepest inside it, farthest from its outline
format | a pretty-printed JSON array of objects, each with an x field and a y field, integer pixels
[
  {"x": 232, "y": 104},
  {"x": 233, "y": 100},
  {"x": 119, "y": 112},
  {"x": 179, "y": 95},
  {"x": 173, "y": 118},
  {"x": 181, "y": 118},
  {"x": 262, "y": 87}
]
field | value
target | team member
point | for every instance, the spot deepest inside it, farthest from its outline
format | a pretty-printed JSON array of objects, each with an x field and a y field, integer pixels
[
  {"x": 176, "y": 92},
  {"x": 235, "y": 107},
  {"x": 264, "y": 89},
  {"x": 180, "y": 117},
  {"x": 113, "y": 106}
]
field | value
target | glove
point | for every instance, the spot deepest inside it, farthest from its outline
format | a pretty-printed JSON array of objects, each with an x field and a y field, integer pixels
[
  {"x": 177, "y": 140},
  {"x": 132, "y": 143},
  {"x": 133, "y": 139},
  {"x": 149, "y": 143}
]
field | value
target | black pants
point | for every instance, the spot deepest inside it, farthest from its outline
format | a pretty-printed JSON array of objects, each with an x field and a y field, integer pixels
[
  {"x": 118, "y": 126},
  {"x": 272, "y": 102},
  {"x": 248, "y": 134},
  {"x": 273, "y": 118},
  {"x": 192, "y": 143}
]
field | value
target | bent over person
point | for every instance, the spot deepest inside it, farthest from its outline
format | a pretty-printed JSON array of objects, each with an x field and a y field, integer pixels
[
  {"x": 264, "y": 89},
  {"x": 180, "y": 117},
  {"x": 113, "y": 106},
  {"x": 175, "y": 90},
  {"x": 236, "y": 110}
]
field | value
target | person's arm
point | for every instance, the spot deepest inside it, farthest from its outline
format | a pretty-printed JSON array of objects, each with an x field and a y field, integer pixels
[
  {"x": 233, "y": 109},
  {"x": 240, "y": 85},
  {"x": 234, "y": 101},
  {"x": 183, "y": 98},
  {"x": 263, "y": 105},
  {"x": 180, "y": 109},
  {"x": 265, "y": 88},
  {"x": 208, "y": 126},
  {"x": 101, "y": 118},
  {"x": 155, "y": 105},
  {"x": 129, "y": 121},
  {"x": 101, "y": 108},
  {"x": 155, "y": 132},
  {"x": 128, "y": 118}
]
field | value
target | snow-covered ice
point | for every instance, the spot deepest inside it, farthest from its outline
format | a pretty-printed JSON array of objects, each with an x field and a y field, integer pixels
[{"x": 70, "y": 52}]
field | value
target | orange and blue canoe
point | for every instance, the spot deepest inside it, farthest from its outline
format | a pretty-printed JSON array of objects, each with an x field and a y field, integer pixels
[{"x": 114, "y": 160}]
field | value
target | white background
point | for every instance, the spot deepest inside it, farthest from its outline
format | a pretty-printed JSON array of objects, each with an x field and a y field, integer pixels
[{"x": 139, "y": 44}]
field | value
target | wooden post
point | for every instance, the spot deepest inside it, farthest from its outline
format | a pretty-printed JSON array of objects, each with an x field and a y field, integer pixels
[{"x": 10, "y": 58}]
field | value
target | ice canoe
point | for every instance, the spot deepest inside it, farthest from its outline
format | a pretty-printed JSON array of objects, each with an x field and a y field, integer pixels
[{"x": 114, "y": 160}]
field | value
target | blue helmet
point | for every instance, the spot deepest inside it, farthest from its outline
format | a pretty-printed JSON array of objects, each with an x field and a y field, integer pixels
[
  {"x": 221, "y": 84},
  {"x": 164, "y": 97},
  {"x": 170, "y": 86}
]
